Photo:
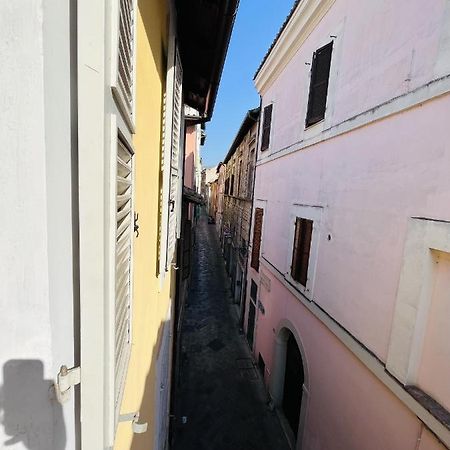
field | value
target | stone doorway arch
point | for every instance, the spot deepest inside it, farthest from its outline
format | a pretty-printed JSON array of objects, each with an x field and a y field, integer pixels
[{"x": 289, "y": 382}]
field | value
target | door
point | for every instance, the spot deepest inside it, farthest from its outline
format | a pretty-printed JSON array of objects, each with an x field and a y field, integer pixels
[
  {"x": 238, "y": 286},
  {"x": 293, "y": 384},
  {"x": 251, "y": 321}
]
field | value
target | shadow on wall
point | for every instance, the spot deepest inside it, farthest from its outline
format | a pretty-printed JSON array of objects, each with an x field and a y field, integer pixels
[
  {"x": 154, "y": 407},
  {"x": 30, "y": 413}
]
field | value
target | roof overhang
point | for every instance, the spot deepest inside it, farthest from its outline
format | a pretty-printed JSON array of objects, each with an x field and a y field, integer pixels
[
  {"x": 190, "y": 195},
  {"x": 249, "y": 120},
  {"x": 302, "y": 20},
  {"x": 204, "y": 30}
]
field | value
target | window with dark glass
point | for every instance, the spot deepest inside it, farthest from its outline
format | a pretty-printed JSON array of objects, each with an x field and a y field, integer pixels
[
  {"x": 318, "y": 89},
  {"x": 257, "y": 234},
  {"x": 301, "y": 250},
  {"x": 267, "y": 122}
]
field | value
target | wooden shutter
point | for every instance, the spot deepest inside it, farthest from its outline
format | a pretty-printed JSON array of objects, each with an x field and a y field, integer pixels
[
  {"x": 124, "y": 236},
  {"x": 126, "y": 56},
  {"x": 267, "y": 122},
  {"x": 175, "y": 170},
  {"x": 320, "y": 74},
  {"x": 301, "y": 250},
  {"x": 257, "y": 234}
]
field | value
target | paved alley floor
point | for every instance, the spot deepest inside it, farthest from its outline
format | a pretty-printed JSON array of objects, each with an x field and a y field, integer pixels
[{"x": 220, "y": 392}]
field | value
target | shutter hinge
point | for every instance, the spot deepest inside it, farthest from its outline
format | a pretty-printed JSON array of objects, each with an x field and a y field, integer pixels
[
  {"x": 66, "y": 379},
  {"x": 138, "y": 428}
]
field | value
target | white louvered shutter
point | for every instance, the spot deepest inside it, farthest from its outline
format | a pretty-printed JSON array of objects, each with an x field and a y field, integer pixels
[
  {"x": 175, "y": 159},
  {"x": 124, "y": 237},
  {"x": 126, "y": 56},
  {"x": 172, "y": 153}
]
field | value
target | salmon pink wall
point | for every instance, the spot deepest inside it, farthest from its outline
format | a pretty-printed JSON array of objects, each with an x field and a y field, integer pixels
[
  {"x": 369, "y": 182},
  {"x": 380, "y": 156}
]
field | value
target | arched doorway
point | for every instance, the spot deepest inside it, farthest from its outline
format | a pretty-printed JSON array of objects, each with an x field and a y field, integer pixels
[
  {"x": 293, "y": 384},
  {"x": 289, "y": 381}
]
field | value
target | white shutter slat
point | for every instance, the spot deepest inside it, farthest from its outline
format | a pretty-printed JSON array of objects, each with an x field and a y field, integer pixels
[
  {"x": 124, "y": 235},
  {"x": 123, "y": 168},
  {"x": 125, "y": 53},
  {"x": 126, "y": 209},
  {"x": 123, "y": 226}
]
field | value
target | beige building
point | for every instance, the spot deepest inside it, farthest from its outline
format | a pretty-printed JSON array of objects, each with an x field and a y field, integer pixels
[{"x": 239, "y": 167}]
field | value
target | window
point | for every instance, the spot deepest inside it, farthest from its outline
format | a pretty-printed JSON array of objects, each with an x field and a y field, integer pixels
[
  {"x": 250, "y": 174},
  {"x": 227, "y": 186},
  {"x": 257, "y": 234},
  {"x": 124, "y": 236},
  {"x": 301, "y": 250},
  {"x": 320, "y": 73},
  {"x": 267, "y": 122},
  {"x": 232, "y": 185},
  {"x": 238, "y": 187}
]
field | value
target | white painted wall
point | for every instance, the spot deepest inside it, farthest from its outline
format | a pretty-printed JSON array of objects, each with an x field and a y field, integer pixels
[{"x": 36, "y": 277}]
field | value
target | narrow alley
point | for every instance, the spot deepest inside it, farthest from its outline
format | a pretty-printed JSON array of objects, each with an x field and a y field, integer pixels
[{"x": 222, "y": 403}]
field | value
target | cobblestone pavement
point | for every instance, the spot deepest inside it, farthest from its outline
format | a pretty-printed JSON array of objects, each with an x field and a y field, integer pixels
[{"x": 221, "y": 400}]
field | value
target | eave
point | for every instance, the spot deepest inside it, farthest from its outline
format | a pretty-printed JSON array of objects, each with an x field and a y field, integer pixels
[
  {"x": 204, "y": 32},
  {"x": 304, "y": 18},
  {"x": 249, "y": 120}
]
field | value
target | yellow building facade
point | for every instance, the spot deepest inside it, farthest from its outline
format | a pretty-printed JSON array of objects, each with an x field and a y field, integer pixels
[{"x": 153, "y": 292}]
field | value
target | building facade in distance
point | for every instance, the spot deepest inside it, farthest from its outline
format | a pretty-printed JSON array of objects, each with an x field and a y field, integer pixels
[{"x": 238, "y": 169}]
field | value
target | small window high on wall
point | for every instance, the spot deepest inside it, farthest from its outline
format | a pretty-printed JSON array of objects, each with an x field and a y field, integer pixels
[
  {"x": 318, "y": 89},
  {"x": 257, "y": 235},
  {"x": 267, "y": 123},
  {"x": 301, "y": 250}
]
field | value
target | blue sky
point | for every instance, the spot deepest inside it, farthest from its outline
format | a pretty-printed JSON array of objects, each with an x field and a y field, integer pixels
[{"x": 257, "y": 23}]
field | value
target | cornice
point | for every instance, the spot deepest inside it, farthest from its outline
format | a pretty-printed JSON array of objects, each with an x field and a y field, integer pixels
[{"x": 303, "y": 21}]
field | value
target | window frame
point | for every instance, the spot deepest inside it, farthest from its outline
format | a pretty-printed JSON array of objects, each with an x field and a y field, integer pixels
[
  {"x": 298, "y": 271},
  {"x": 313, "y": 213},
  {"x": 257, "y": 265},
  {"x": 415, "y": 296},
  {"x": 270, "y": 127}
]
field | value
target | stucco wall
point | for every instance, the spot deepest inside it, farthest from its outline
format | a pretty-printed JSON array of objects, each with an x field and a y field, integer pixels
[
  {"x": 381, "y": 51},
  {"x": 347, "y": 408},
  {"x": 366, "y": 180},
  {"x": 37, "y": 294},
  {"x": 152, "y": 300},
  {"x": 367, "y": 175},
  {"x": 369, "y": 182}
]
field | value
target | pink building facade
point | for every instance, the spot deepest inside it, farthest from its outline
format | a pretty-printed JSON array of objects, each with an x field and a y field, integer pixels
[{"x": 353, "y": 335}]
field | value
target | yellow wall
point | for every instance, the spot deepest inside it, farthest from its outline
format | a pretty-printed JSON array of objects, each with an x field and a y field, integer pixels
[{"x": 150, "y": 302}]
